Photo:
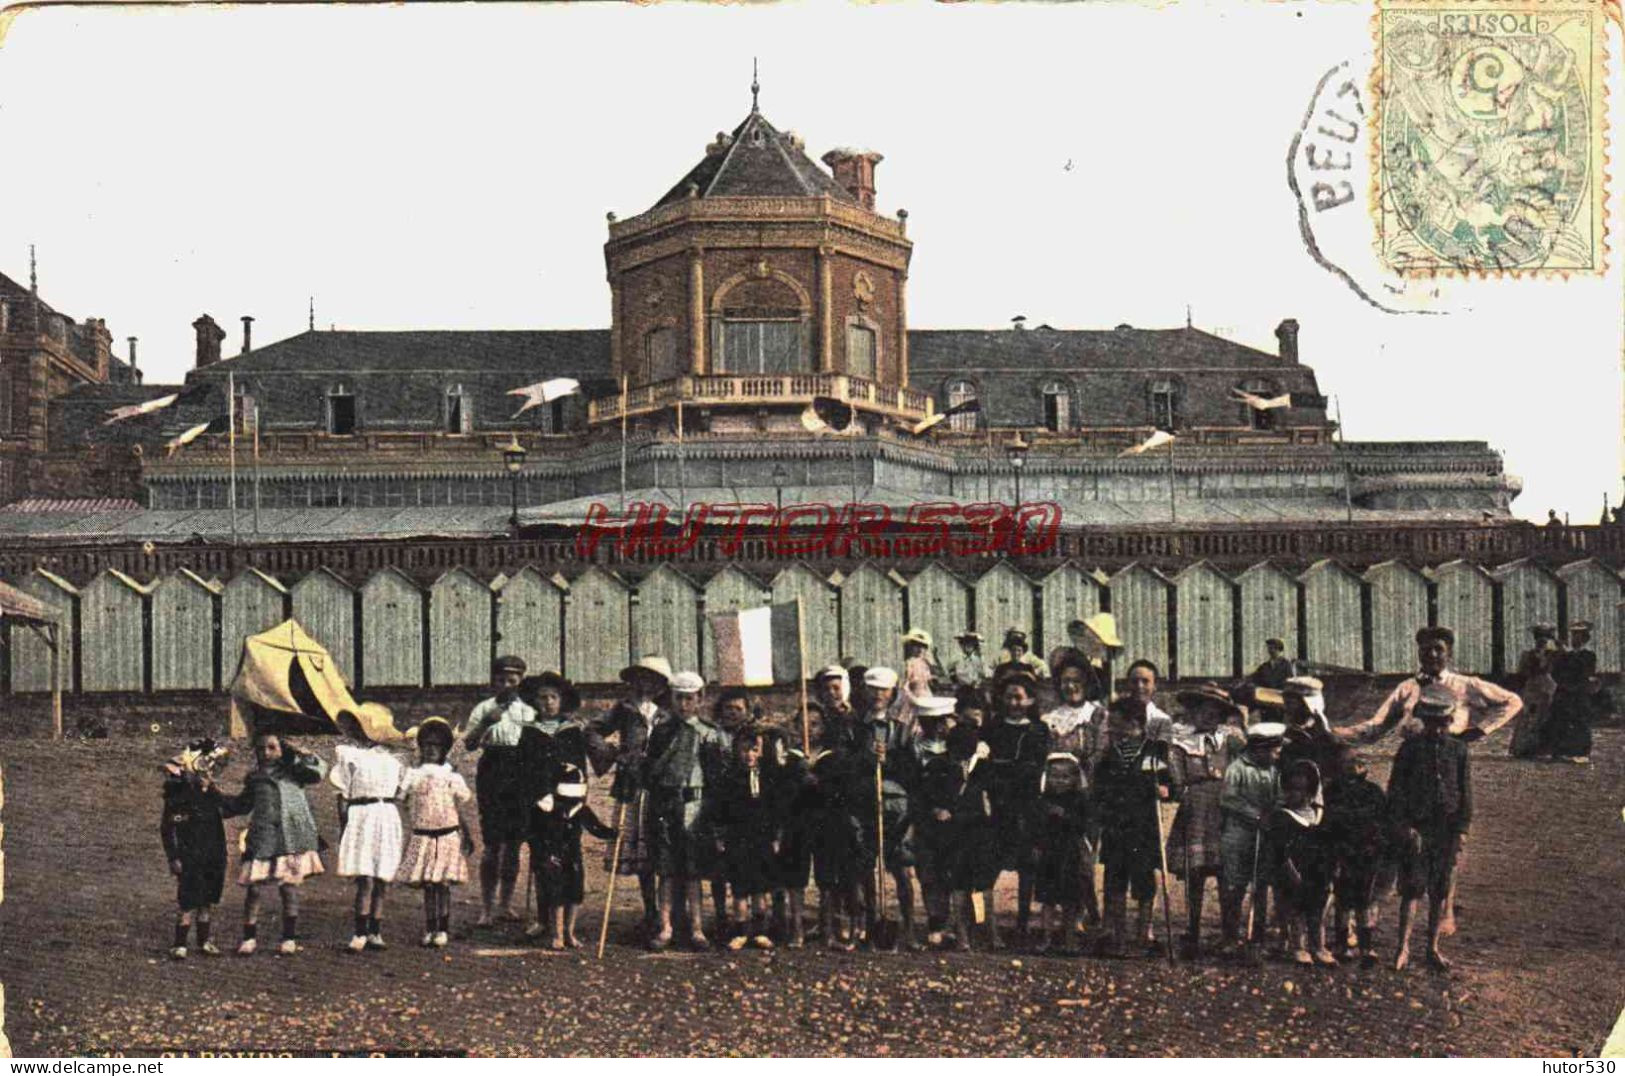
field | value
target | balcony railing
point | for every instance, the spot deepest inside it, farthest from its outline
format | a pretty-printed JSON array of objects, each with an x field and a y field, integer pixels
[{"x": 766, "y": 389}]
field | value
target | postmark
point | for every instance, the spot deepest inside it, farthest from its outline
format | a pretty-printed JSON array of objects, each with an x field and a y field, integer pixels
[{"x": 1489, "y": 147}]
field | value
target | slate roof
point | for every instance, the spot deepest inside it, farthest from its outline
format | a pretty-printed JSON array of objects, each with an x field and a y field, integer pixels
[
  {"x": 1108, "y": 374},
  {"x": 21, "y": 300},
  {"x": 757, "y": 160}
]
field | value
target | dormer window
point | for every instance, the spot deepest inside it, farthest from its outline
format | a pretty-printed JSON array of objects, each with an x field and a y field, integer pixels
[
  {"x": 1057, "y": 406},
  {"x": 1254, "y": 417},
  {"x": 459, "y": 411},
  {"x": 340, "y": 418},
  {"x": 960, "y": 392},
  {"x": 1164, "y": 405}
]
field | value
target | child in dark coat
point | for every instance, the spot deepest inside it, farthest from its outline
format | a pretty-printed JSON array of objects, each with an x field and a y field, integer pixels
[
  {"x": 794, "y": 802},
  {"x": 1301, "y": 856},
  {"x": 556, "y": 822},
  {"x": 961, "y": 802},
  {"x": 743, "y": 804},
  {"x": 1362, "y": 869},
  {"x": 1130, "y": 782},
  {"x": 194, "y": 837},
  {"x": 1019, "y": 742},
  {"x": 1060, "y": 822}
]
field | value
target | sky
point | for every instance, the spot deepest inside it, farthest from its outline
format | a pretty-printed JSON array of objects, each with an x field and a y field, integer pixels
[{"x": 450, "y": 166}]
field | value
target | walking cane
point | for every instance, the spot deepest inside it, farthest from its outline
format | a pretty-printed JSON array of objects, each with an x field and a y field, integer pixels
[
  {"x": 1162, "y": 850},
  {"x": 880, "y": 840},
  {"x": 614, "y": 869},
  {"x": 1252, "y": 904}
]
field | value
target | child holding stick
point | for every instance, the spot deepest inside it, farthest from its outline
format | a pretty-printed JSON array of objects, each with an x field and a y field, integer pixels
[{"x": 556, "y": 822}]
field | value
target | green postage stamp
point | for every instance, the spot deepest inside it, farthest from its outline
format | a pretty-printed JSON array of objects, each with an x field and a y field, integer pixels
[{"x": 1490, "y": 148}]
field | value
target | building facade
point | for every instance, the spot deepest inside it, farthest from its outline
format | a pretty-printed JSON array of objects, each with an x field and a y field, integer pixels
[{"x": 760, "y": 296}]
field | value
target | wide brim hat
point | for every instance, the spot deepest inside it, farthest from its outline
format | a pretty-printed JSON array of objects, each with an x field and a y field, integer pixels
[
  {"x": 1547, "y": 631},
  {"x": 918, "y": 635},
  {"x": 1302, "y": 687},
  {"x": 1103, "y": 626},
  {"x": 973, "y": 636},
  {"x": 1012, "y": 673},
  {"x": 1207, "y": 692},
  {"x": 935, "y": 706},
  {"x": 657, "y": 666},
  {"x": 509, "y": 663},
  {"x": 880, "y": 677},
  {"x": 569, "y": 697},
  {"x": 1579, "y": 625},
  {"x": 1015, "y": 635},
  {"x": 1275, "y": 643},
  {"x": 1057, "y": 756}
]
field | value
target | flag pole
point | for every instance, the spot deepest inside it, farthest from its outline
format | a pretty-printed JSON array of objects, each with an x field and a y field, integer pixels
[
  {"x": 682, "y": 464},
  {"x": 231, "y": 446},
  {"x": 623, "y": 441},
  {"x": 1173, "y": 506},
  {"x": 256, "y": 467},
  {"x": 801, "y": 654},
  {"x": 1348, "y": 479}
]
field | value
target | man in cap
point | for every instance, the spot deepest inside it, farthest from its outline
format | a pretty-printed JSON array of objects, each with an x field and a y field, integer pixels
[
  {"x": 883, "y": 746},
  {"x": 629, "y": 723},
  {"x": 1252, "y": 789},
  {"x": 1277, "y": 668},
  {"x": 1481, "y": 707},
  {"x": 1017, "y": 655},
  {"x": 1430, "y": 799},
  {"x": 969, "y": 669},
  {"x": 495, "y": 727},
  {"x": 685, "y": 754}
]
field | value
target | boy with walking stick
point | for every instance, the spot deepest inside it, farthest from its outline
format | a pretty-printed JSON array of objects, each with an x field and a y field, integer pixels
[{"x": 1252, "y": 788}]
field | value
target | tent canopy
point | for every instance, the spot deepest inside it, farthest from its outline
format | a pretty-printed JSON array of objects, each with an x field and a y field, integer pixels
[{"x": 287, "y": 682}]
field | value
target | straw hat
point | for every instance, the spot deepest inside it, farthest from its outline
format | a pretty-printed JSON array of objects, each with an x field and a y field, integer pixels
[
  {"x": 918, "y": 635},
  {"x": 1207, "y": 692},
  {"x": 651, "y": 664}
]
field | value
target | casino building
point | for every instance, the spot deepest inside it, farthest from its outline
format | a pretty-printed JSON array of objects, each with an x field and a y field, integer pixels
[{"x": 761, "y": 280}]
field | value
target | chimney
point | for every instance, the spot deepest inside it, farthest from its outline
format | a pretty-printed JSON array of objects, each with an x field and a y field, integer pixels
[
  {"x": 855, "y": 170},
  {"x": 132, "y": 354},
  {"x": 1286, "y": 334},
  {"x": 209, "y": 336},
  {"x": 248, "y": 334},
  {"x": 1019, "y": 322}
]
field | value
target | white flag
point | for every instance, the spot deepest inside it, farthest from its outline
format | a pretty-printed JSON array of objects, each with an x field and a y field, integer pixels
[
  {"x": 182, "y": 440},
  {"x": 147, "y": 408},
  {"x": 1157, "y": 439},
  {"x": 545, "y": 392},
  {"x": 1261, "y": 403}
]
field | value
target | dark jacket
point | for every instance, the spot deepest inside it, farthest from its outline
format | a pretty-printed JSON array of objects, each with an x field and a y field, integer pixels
[
  {"x": 280, "y": 821},
  {"x": 1431, "y": 784},
  {"x": 626, "y": 726},
  {"x": 191, "y": 827}
]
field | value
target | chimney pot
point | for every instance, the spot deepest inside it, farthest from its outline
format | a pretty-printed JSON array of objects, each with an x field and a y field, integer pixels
[
  {"x": 209, "y": 337},
  {"x": 854, "y": 169},
  {"x": 132, "y": 352},
  {"x": 1286, "y": 336},
  {"x": 248, "y": 334}
]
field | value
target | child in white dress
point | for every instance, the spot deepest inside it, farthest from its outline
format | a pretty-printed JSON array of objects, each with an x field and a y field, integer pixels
[
  {"x": 435, "y": 856},
  {"x": 368, "y": 778}
]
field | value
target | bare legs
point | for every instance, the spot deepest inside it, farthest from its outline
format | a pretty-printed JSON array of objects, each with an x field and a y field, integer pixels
[{"x": 499, "y": 872}]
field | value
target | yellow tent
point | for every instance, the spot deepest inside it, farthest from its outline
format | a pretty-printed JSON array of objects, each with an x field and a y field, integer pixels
[{"x": 286, "y": 681}]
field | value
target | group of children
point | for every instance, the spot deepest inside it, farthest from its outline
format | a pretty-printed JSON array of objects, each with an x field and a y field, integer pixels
[{"x": 881, "y": 789}]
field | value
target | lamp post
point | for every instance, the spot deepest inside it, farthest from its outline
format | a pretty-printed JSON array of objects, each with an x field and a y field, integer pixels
[
  {"x": 513, "y": 458},
  {"x": 1017, "y": 450},
  {"x": 779, "y": 476}
]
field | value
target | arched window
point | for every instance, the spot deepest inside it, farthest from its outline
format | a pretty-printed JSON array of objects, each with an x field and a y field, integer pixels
[
  {"x": 340, "y": 412},
  {"x": 660, "y": 356},
  {"x": 459, "y": 411},
  {"x": 1164, "y": 397},
  {"x": 762, "y": 330},
  {"x": 958, "y": 393},
  {"x": 1057, "y": 406}
]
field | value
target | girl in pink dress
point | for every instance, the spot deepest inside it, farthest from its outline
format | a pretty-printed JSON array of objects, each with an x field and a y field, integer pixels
[{"x": 434, "y": 859}]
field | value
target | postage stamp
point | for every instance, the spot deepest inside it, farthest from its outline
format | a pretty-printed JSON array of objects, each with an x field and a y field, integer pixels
[{"x": 1490, "y": 148}]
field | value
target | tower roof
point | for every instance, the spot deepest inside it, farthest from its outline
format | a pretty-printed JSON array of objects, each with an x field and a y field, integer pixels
[{"x": 757, "y": 160}]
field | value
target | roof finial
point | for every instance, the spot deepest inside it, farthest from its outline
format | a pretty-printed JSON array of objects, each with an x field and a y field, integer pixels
[
  {"x": 311, "y": 324},
  {"x": 1187, "y": 315},
  {"x": 755, "y": 86},
  {"x": 33, "y": 275}
]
